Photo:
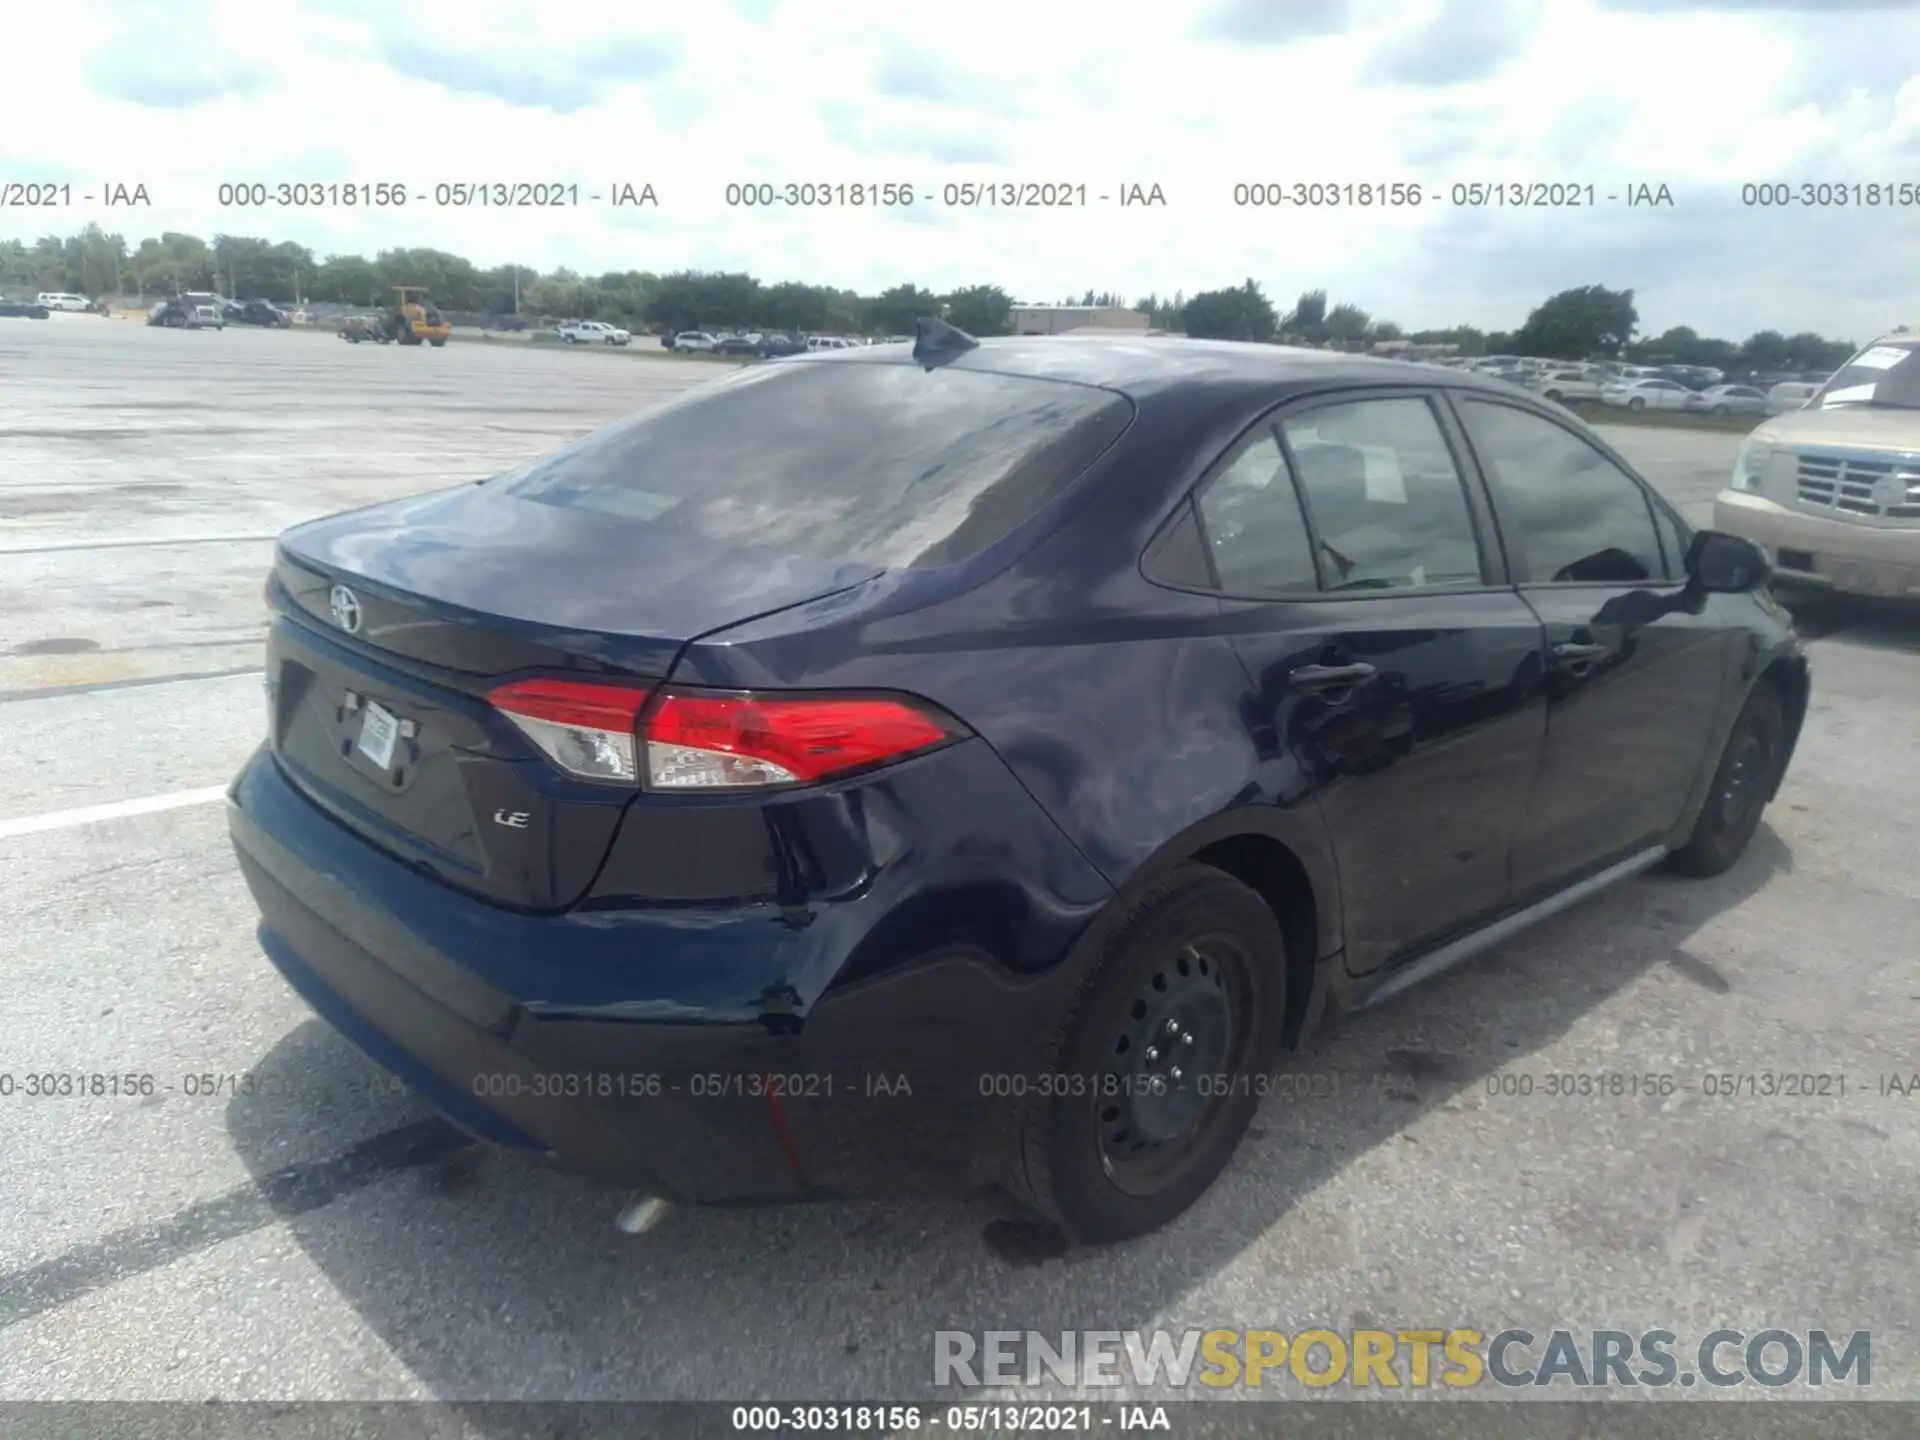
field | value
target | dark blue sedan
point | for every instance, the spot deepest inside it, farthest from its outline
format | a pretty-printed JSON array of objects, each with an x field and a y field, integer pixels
[{"x": 974, "y": 763}]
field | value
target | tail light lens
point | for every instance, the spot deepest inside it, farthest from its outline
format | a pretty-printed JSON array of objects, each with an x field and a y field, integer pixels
[
  {"x": 707, "y": 741},
  {"x": 585, "y": 729},
  {"x": 742, "y": 742}
]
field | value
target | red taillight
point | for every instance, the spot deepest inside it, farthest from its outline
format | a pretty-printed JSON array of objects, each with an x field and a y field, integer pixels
[
  {"x": 733, "y": 742},
  {"x": 690, "y": 740},
  {"x": 584, "y": 728}
]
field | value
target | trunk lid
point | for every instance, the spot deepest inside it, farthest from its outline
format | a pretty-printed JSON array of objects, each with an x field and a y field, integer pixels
[{"x": 398, "y": 620}]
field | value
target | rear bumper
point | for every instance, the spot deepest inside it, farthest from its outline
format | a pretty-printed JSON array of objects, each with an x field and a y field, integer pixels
[
  {"x": 1831, "y": 554},
  {"x": 883, "y": 1085}
]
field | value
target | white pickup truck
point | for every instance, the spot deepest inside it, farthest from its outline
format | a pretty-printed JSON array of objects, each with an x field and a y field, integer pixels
[{"x": 592, "y": 332}]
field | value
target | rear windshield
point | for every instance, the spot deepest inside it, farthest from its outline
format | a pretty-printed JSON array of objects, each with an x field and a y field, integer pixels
[{"x": 840, "y": 461}]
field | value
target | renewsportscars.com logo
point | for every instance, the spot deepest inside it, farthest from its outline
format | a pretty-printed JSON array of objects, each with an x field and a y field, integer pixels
[{"x": 1400, "y": 1359}]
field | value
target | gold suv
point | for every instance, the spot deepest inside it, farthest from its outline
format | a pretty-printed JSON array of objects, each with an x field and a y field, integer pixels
[{"x": 1833, "y": 488}]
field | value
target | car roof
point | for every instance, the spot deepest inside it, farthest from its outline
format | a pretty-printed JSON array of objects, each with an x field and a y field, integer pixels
[{"x": 1144, "y": 365}]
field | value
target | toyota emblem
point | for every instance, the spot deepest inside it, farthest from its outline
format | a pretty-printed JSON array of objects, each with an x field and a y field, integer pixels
[{"x": 346, "y": 609}]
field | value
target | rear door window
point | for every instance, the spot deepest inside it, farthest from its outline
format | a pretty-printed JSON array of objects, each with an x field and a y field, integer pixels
[
  {"x": 840, "y": 461},
  {"x": 1386, "y": 497}
]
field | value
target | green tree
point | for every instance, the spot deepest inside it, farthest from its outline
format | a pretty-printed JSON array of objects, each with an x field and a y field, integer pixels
[
  {"x": 695, "y": 299},
  {"x": 348, "y": 280},
  {"x": 245, "y": 266},
  {"x": 1679, "y": 345},
  {"x": 171, "y": 262},
  {"x": 1585, "y": 323},
  {"x": 980, "y": 310},
  {"x": 793, "y": 306},
  {"x": 1243, "y": 313},
  {"x": 558, "y": 296},
  {"x": 1309, "y": 318},
  {"x": 1347, "y": 324},
  {"x": 1815, "y": 352},
  {"x": 93, "y": 262},
  {"x": 497, "y": 288},
  {"x": 897, "y": 311},
  {"x": 1765, "y": 350}
]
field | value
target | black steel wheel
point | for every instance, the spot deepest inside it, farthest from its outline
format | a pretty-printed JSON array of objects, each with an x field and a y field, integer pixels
[
  {"x": 1743, "y": 783},
  {"x": 1152, "y": 1077},
  {"x": 1187, "y": 1025}
]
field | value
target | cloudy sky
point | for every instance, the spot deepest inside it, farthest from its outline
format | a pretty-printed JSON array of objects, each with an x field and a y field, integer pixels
[{"x": 1192, "y": 95}]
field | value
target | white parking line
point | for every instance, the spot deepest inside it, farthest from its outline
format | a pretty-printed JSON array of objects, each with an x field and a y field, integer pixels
[
  {"x": 130, "y": 542},
  {"x": 115, "y": 810}
]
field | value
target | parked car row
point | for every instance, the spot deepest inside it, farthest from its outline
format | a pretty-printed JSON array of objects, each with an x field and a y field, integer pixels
[
  {"x": 1660, "y": 394},
  {"x": 1693, "y": 389},
  {"x": 762, "y": 344}
]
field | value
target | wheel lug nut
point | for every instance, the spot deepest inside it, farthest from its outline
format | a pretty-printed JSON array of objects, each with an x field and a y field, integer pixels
[
  {"x": 1175, "y": 1072},
  {"x": 1186, "y": 1039},
  {"x": 1153, "y": 1053}
]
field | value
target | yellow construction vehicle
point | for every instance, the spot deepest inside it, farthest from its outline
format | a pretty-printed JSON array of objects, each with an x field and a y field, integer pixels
[{"x": 414, "y": 319}]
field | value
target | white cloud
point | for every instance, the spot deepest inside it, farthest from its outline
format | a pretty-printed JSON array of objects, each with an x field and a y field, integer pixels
[{"x": 1192, "y": 96}]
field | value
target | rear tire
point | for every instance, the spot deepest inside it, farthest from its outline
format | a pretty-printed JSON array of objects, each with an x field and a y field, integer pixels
[
  {"x": 1743, "y": 781},
  {"x": 1637, "y": 403},
  {"x": 1159, "y": 1056}
]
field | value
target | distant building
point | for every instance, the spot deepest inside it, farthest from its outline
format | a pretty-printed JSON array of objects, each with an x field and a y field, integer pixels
[{"x": 1066, "y": 319}]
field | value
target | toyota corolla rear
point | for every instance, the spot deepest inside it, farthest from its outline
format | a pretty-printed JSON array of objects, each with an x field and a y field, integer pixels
[{"x": 719, "y": 944}]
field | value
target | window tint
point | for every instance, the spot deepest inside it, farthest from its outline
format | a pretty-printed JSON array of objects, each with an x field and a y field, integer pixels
[
  {"x": 1385, "y": 495},
  {"x": 1575, "y": 515},
  {"x": 1254, "y": 525},
  {"x": 840, "y": 461}
]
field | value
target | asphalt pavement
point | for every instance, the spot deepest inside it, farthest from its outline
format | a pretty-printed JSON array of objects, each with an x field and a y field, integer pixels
[{"x": 275, "y": 1221}]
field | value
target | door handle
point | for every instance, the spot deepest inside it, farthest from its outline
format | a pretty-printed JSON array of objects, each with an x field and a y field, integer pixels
[
  {"x": 1576, "y": 652},
  {"x": 1330, "y": 677}
]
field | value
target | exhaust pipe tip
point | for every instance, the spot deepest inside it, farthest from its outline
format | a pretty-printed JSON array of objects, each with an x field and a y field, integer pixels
[{"x": 641, "y": 1214}]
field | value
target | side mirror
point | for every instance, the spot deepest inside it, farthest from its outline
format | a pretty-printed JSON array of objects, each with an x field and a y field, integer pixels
[{"x": 1722, "y": 564}]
